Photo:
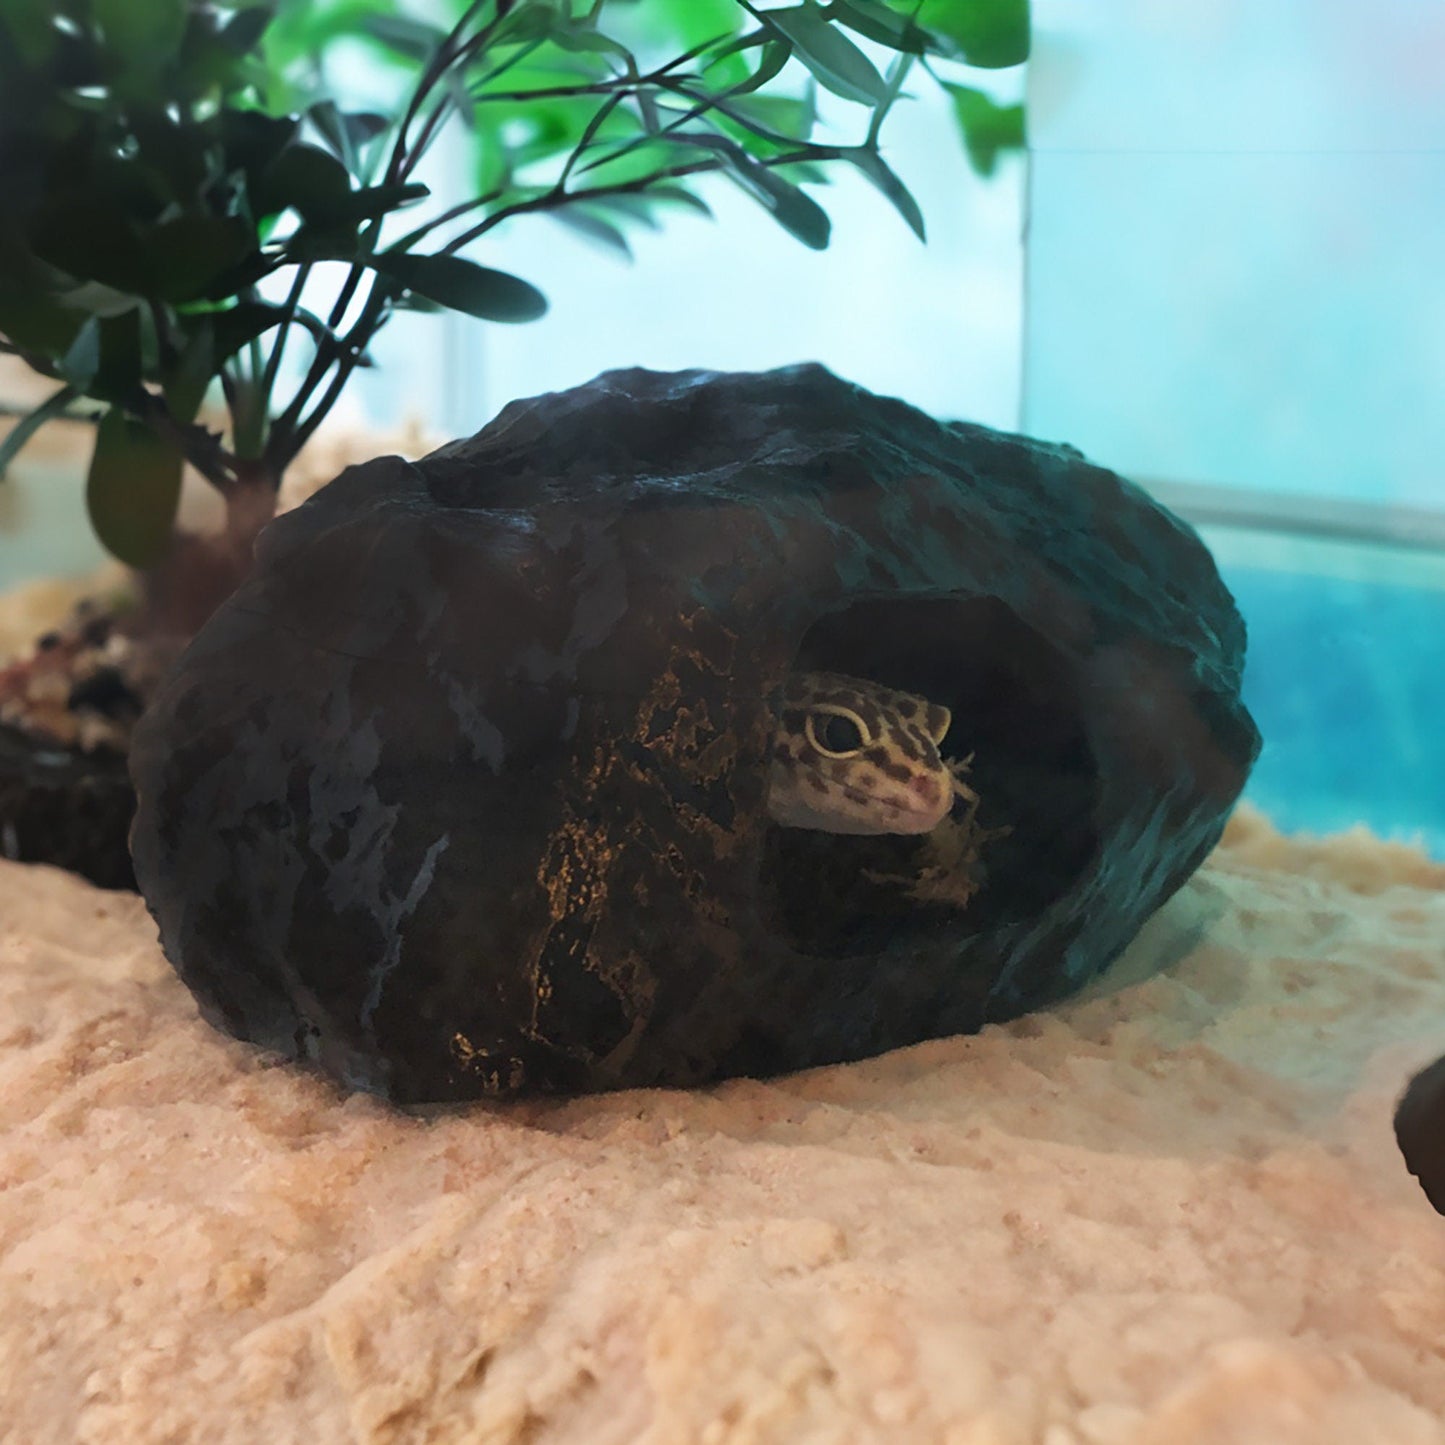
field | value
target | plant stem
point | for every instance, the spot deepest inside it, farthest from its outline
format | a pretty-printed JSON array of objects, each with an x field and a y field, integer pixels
[
  {"x": 165, "y": 338},
  {"x": 427, "y": 136},
  {"x": 289, "y": 434},
  {"x": 620, "y": 86},
  {"x": 479, "y": 92},
  {"x": 395, "y": 166},
  {"x": 273, "y": 362},
  {"x": 593, "y": 126},
  {"x": 249, "y": 439},
  {"x": 622, "y": 83},
  {"x": 447, "y": 53},
  {"x": 351, "y": 347},
  {"x": 898, "y": 73},
  {"x": 452, "y": 214},
  {"x": 520, "y": 54},
  {"x": 701, "y": 108},
  {"x": 201, "y": 448},
  {"x": 719, "y": 104},
  {"x": 228, "y": 390}
]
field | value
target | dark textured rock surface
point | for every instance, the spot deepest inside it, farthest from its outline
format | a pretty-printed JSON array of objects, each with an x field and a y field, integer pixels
[{"x": 464, "y": 792}]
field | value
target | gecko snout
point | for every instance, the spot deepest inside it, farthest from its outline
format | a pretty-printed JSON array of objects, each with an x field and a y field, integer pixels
[
  {"x": 931, "y": 796},
  {"x": 927, "y": 791}
]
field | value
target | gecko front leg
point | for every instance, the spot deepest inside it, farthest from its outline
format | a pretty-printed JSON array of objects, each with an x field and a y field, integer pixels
[{"x": 957, "y": 767}]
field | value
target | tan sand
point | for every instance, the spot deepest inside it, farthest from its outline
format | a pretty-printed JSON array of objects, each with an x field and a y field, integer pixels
[{"x": 1169, "y": 1214}]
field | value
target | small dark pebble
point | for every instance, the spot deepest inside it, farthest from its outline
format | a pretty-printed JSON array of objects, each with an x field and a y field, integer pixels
[
  {"x": 96, "y": 632},
  {"x": 105, "y": 691}
]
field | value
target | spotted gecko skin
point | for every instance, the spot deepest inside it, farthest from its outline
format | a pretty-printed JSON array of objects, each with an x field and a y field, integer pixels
[{"x": 850, "y": 756}]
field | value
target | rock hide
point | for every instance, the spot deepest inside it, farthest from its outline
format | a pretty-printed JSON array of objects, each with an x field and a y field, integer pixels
[{"x": 464, "y": 791}]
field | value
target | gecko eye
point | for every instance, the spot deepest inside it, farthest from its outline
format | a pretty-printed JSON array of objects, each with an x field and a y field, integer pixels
[{"x": 837, "y": 734}]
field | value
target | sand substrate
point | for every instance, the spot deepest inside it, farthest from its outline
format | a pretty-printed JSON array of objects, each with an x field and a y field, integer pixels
[{"x": 1169, "y": 1213}]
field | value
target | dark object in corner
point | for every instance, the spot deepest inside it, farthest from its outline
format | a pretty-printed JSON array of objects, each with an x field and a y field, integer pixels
[
  {"x": 1420, "y": 1131},
  {"x": 463, "y": 793}
]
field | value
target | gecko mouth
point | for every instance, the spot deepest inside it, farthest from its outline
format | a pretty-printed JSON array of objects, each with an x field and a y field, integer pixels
[{"x": 899, "y": 810}]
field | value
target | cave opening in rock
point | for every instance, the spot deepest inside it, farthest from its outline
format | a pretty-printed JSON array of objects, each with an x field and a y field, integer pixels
[{"x": 1015, "y": 709}]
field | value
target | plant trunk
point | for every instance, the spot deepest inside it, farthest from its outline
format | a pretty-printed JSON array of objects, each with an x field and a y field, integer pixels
[
  {"x": 66, "y": 712},
  {"x": 200, "y": 572}
]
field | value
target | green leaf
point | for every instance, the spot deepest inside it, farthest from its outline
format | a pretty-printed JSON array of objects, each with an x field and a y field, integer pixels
[
  {"x": 360, "y": 205},
  {"x": 144, "y": 33},
  {"x": 364, "y": 125},
  {"x": 78, "y": 365},
  {"x": 31, "y": 24},
  {"x": 33, "y": 318},
  {"x": 838, "y": 64},
  {"x": 797, "y": 213},
  {"x": 252, "y": 270},
  {"x": 877, "y": 170},
  {"x": 133, "y": 489},
  {"x": 410, "y": 301},
  {"x": 686, "y": 23},
  {"x": 682, "y": 197},
  {"x": 324, "y": 243},
  {"x": 640, "y": 207},
  {"x": 207, "y": 63},
  {"x": 593, "y": 42},
  {"x": 122, "y": 364},
  {"x": 463, "y": 285},
  {"x": 525, "y": 23},
  {"x": 27, "y": 426},
  {"x": 186, "y": 254},
  {"x": 96, "y": 300},
  {"x": 191, "y": 375},
  {"x": 776, "y": 54},
  {"x": 633, "y": 207},
  {"x": 592, "y": 228},
  {"x": 775, "y": 117},
  {"x": 304, "y": 177},
  {"x": 180, "y": 153},
  {"x": 252, "y": 141},
  {"x": 493, "y": 161},
  {"x": 987, "y": 127},
  {"x": 346, "y": 132},
  {"x": 414, "y": 39},
  {"x": 92, "y": 238},
  {"x": 987, "y": 33},
  {"x": 875, "y": 21},
  {"x": 303, "y": 29},
  {"x": 246, "y": 28},
  {"x": 455, "y": 84},
  {"x": 149, "y": 320},
  {"x": 804, "y": 173},
  {"x": 326, "y": 117},
  {"x": 237, "y": 325}
]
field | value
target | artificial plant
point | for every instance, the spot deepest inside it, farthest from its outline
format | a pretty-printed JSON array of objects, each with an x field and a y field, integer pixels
[{"x": 172, "y": 172}]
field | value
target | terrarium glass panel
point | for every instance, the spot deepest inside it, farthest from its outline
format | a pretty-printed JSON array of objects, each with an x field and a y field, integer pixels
[{"x": 1240, "y": 306}]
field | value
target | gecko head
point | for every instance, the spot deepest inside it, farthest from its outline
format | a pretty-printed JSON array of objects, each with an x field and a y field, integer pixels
[{"x": 850, "y": 756}]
